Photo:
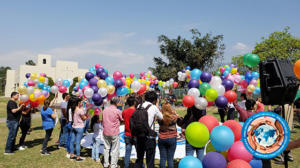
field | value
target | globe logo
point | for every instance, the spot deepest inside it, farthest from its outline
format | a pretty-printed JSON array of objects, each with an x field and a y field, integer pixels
[{"x": 265, "y": 135}]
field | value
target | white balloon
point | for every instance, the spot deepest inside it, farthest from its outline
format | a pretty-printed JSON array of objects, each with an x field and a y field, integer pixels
[
  {"x": 102, "y": 92},
  {"x": 71, "y": 81},
  {"x": 135, "y": 86},
  {"x": 201, "y": 103},
  {"x": 24, "y": 98},
  {"x": 220, "y": 89},
  {"x": 30, "y": 90},
  {"x": 54, "y": 89},
  {"x": 179, "y": 73},
  {"x": 194, "y": 92},
  {"x": 171, "y": 81},
  {"x": 36, "y": 81},
  {"x": 59, "y": 81},
  {"x": 215, "y": 80},
  {"x": 89, "y": 93}
]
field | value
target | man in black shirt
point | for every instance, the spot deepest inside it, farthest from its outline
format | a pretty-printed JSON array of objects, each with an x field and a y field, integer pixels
[
  {"x": 13, "y": 117},
  {"x": 172, "y": 98}
]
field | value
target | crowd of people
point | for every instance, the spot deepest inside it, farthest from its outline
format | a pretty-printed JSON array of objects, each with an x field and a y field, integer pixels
[{"x": 139, "y": 117}]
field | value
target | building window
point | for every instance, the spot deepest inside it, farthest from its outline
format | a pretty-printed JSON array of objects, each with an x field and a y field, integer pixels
[{"x": 44, "y": 61}]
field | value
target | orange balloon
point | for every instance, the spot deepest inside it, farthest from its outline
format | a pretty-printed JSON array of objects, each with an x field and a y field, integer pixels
[
  {"x": 297, "y": 69},
  {"x": 41, "y": 99}
]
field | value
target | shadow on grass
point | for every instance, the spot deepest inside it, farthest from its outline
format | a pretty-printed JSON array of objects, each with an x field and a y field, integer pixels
[
  {"x": 37, "y": 128},
  {"x": 52, "y": 148},
  {"x": 33, "y": 143}
]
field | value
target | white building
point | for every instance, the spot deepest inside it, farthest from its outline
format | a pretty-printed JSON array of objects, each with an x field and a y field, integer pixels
[{"x": 63, "y": 69}]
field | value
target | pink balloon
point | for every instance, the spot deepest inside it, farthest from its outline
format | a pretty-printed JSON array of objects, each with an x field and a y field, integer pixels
[
  {"x": 42, "y": 74},
  {"x": 253, "y": 82},
  {"x": 243, "y": 84},
  {"x": 230, "y": 77},
  {"x": 117, "y": 75},
  {"x": 124, "y": 81},
  {"x": 62, "y": 89},
  {"x": 30, "y": 83},
  {"x": 237, "y": 78},
  {"x": 222, "y": 69},
  {"x": 131, "y": 75},
  {"x": 142, "y": 74},
  {"x": 97, "y": 111},
  {"x": 156, "y": 81},
  {"x": 238, "y": 151},
  {"x": 98, "y": 66},
  {"x": 85, "y": 87}
]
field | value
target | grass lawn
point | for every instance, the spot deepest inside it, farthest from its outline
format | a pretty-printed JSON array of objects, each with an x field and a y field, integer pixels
[
  {"x": 3, "y": 102},
  {"x": 31, "y": 157}
]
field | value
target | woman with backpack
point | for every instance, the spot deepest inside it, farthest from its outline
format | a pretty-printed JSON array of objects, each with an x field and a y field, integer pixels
[
  {"x": 167, "y": 135},
  {"x": 193, "y": 114}
]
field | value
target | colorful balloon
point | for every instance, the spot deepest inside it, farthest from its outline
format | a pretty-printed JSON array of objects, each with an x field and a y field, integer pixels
[
  {"x": 238, "y": 164},
  {"x": 231, "y": 96},
  {"x": 192, "y": 133},
  {"x": 188, "y": 101},
  {"x": 239, "y": 151},
  {"x": 297, "y": 69},
  {"x": 221, "y": 102},
  {"x": 211, "y": 94},
  {"x": 190, "y": 162},
  {"x": 222, "y": 138},
  {"x": 235, "y": 127},
  {"x": 214, "y": 160},
  {"x": 210, "y": 122},
  {"x": 204, "y": 87}
]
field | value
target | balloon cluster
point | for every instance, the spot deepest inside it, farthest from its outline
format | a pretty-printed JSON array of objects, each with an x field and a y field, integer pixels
[
  {"x": 36, "y": 89},
  {"x": 222, "y": 145}
]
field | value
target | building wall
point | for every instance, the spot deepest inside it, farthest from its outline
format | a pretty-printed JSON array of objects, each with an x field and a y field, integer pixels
[{"x": 10, "y": 82}]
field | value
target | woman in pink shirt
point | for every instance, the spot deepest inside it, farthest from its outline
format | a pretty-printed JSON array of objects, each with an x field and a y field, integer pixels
[
  {"x": 78, "y": 118},
  {"x": 259, "y": 106}
]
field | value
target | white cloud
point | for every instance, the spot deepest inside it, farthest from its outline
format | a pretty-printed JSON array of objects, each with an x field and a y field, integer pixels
[{"x": 241, "y": 48}]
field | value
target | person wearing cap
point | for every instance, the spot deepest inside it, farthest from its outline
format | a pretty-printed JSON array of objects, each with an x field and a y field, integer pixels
[{"x": 111, "y": 118}]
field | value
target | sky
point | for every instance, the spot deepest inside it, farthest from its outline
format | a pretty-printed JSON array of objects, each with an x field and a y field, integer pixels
[{"x": 122, "y": 35}]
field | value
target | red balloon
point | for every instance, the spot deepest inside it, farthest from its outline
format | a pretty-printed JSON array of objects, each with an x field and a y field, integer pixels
[
  {"x": 109, "y": 96},
  {"x": 97, "y": 111},
  {"x": 244, "y": 84},
  {"x": 236, "y": 128},
  {"x": 188, "y": 101},
  {"x": 30, "y": 83},
  {"x": 62, "y": 89},
  {"x": 238, "y": 164},
  {"x": 175, "y": 85},
  {"x": 98, "y": 66},
  {"x": 238, "y": 151},
  {"x": 230, "y": 95},
  {"x": 117, "y": 75},
  {"x": 142, "y": 89},
  {"x": 209, "y": 121},
  {"x": 34, "y": 104},
  {"x": 210, "y": 103}
]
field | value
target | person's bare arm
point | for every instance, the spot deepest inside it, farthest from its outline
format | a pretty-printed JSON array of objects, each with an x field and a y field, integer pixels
[
  {"x": 53, "y": 115},
  {"x": 17, "y": 109}
]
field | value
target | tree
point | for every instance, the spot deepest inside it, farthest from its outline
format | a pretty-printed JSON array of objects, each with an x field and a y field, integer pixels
[
  {"x": 3, "y": 71},
  {"x": 279, "y": 45},
  {"x": 30, "y": 62},
  {"x": 238, "y": 60},
  {"x": 200, "y": 52},
  {"x": 75, "y": 80}
]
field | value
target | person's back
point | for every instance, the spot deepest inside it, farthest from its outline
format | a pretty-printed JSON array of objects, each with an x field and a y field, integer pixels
[
  {"x": 245, "y": 114},
  {"x": 111, "y": 117},
  {"x": 47, "y": 120}
]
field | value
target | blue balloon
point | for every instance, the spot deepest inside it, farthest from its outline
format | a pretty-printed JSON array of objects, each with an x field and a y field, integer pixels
[
  {"x": 188, "y": 68},
  {"x": 92, "y": 70},
  {"x": 256, "y": 163},
  {"x": 25, "y": 84},
  {"x": 122, "y": 91},
  {"x": 255, "y": 75},
  {"x": 40, "y": 85},
  {"x": 109, "y": 80},
  {"x": 221, "y": 138},
  {"x": 66, "y": 83},
  {"x": 256, "y": 91},
  {"x": 82, "y": 84},
  {"x": 75, "y": 89},
  {"x": 228, "y": 69},
  {"x": 195, "y": 74},
  {"x": 248, "y": 77},
  {"x": 225, "y": 73},
  {"x": 190, "y": 162},
  {"x": 242, "y": 123},
  {"x": 242, "y": 77},
  {"x": 48, "y": 88}
]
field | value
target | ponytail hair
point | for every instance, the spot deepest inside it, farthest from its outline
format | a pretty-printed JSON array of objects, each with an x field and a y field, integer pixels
[{"x": 46, "y": 104}]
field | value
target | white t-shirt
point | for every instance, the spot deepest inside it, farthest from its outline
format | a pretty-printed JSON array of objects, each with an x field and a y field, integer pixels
[
  {"x": 70, "y": 115},
  {"x": 98, "y": 130},
  {"x": 63, "y": 105},
  {"x": 242, "y": 104},
  {"x": 153, "y": 112}
]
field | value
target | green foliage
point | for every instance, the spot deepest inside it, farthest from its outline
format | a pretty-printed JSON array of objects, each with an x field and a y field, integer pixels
[
  {"x": 279, "y": 45},
  {"x": 75, "y": 80},
  {"x": 200, "y": 52},
  {"x": 3, "y": 78},
  {"x": 238, "y": 60},
  {"x": 30, "y": 62},
  {"x": 50, "y": 83}
]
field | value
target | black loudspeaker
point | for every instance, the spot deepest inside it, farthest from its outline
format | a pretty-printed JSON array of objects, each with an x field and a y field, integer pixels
[{"x": 278, "y": 82}]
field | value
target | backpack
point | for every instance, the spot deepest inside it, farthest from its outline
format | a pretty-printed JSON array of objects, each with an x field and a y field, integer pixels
[{"x": 138, "y": 123}]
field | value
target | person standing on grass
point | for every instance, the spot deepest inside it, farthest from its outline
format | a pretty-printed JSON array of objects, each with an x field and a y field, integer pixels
[
  {"x": 193, "y": 115},
  {"x": 129, "y": 140},
  {"x": 111, "y": 117},
  {"x": 97, "y": 129},
  {"x": 48, "y": 122},
  {"x": 25, "y": 125},
  {"x": 70, "y": 109},
  {"x": 12, "y": 122},
  {"x": 79, "y": 116},
  {"x": 63, "y": 120},
  {"x": 167, "y": 135}
]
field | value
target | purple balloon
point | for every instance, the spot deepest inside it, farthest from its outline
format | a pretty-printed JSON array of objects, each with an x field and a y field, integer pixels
[
  {"x": 95, "y": 89},
  {"x": 228, "y": 84},
  {"x": 214, "y": 160},
  {"x": 99, "y": 102},
  {"x": 45, "y": 93},
  {"x": 93, "y": 82},
  {"x": 193, "y": 83},
  {"x": 27, "y": 75},
  {"x": 89, "y": 76},
  {"x": 99, "y": 71},
  {"x": 118, "y": 83},
  {"x": 103, "y": 75},
  {"x": 221, "y": 102},
  {"x": 206, "y": 77},
  {"x": 96, "y": 97}
]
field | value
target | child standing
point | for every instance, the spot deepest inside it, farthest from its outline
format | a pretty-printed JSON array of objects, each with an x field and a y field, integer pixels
[{"x": 97, "y": 129}]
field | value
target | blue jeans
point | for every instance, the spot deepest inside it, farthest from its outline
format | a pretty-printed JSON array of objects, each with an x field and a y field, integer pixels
[
  {"x": 167, "y": 148},
  {"x": 12, "y": 133},
  {"x": 86, "y": 126},
  {"x": 95, "y": 148},
  {"x": 63, "y": 133},
  {"x": 189, "y": 151},
  {"x": 76, "y": 137},
  {"x": 69, "y": 136},
  {"x": 129, "y": 141}
]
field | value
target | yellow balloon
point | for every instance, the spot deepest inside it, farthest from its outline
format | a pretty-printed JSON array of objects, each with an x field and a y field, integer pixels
[
  {"x": 147, "y": 83},
  {"x": 110, "y": 89},
  {"x": 101, "y": 83},
  {"x": 233, "y": 71},
  {"x": 22, "y": 90},
  {"x": 32, "y": 98},
  {"x": 33, "y": 76},
  {"x": 250, "y": 88},
  {"x": 258, "y": 83},
  {"x": 42, "y": 79},
  {"x": 187, "y": 72},
  {"x": 80, "y": 78}
]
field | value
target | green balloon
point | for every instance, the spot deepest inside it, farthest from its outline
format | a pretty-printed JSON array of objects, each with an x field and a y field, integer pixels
[
  {"x": 211, "y": 94},
  {"x": 218, "y": 73},
  {"x": 245, "y": 58},
  {"x": 210, "y": 148},
  {"x": 252, "y": 60},
  {"x": 203, "y": 88},
  {"x": 297, "y": 95},
  {"x": 197, "y": 134}
]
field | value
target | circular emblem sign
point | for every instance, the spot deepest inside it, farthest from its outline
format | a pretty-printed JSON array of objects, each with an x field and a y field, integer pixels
[{"x": 265, "y": 135}]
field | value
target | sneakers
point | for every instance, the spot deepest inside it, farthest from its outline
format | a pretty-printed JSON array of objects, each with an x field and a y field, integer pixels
[
  {"x": 97, "y": 160},
  {"x": 79, "y": 159},
  {"x": 8, "y": 153},
  {"x": 45, "y": 153},
  {"x": 22, "y": 148},
  {"x": 68, "y": 155}
]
